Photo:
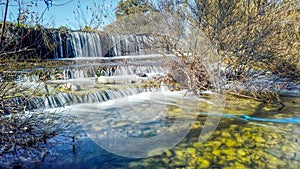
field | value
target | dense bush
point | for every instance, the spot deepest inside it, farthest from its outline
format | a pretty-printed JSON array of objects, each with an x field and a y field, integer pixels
[{"x": 237, "y": 37}]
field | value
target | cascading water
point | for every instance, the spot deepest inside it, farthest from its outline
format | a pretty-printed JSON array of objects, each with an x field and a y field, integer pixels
[
  {"x": 133, "y": 70},
  {"x": 78, "y": 73},
  {"x": 59, "y": 46},
  {"x": 125, "y": 45},
  {"x": 69, "y": 73},
  {"x": 77, "y": 85},
  {"x": 131, "y": 45},
  {"x": 62, "y": 84},
  {"x": 85, "y": 44},
  {"x": 66, "y": 99},
  {"x": 91, "y": 44}
]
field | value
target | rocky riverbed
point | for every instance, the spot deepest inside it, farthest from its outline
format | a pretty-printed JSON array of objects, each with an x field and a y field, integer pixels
[{"x": 237, "y": 143}]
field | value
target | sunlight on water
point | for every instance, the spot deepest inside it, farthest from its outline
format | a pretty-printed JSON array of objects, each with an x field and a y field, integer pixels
[{"x": 236, "y": 143}]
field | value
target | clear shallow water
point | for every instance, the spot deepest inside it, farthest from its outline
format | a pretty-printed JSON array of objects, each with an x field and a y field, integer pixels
[
  {"x": 237, "y": 143},
  {"x": 234, "y": 144}
]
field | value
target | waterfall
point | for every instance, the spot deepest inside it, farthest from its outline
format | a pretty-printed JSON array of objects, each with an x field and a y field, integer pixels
[
  {"x": 138, "y": 69},
  {"x": 59, "y": 54},
  {"x": 85, "y": 44},
  {"x": 79, "y": 73},
  {"x": 119, "y": 70},
  {"x": 92, "y": 44},
  {"x": 69, "y": 52},
  {"x": 87, "y": 72},
  {"x": 60, "y": 45},
  {"x": 66, "y": 99},
  {"x": 122, "y": 45}
]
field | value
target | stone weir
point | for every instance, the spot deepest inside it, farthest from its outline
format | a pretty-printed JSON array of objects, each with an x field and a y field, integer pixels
[
  {"x": 67, "y": 69},
  {"x": 74, "y": 81},
  {"x": 89, "y": 44},
  {"x": 44, "y": 43}
]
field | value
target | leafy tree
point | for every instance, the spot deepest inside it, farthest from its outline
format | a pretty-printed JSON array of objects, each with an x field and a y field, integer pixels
[{"x": 129, "y": 7}]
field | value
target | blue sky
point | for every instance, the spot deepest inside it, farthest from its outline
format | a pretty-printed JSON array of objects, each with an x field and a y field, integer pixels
[{"x": 61, "y": 11}]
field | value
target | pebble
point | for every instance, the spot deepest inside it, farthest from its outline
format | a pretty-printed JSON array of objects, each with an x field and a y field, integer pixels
[
  {"x": 259, "y": 139},
  {"x": 241, "y": 152},
  {"x": 203, "y": 163}
]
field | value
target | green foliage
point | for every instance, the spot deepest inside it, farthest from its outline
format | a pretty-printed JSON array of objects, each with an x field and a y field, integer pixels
[
  {"x": 22, "y": 25},
  {"x": 129, "y": 7},
  {"x": 131, "y": 24},
  {"x": 87, "y": 29},
  {"x": 99, "y": 72}
]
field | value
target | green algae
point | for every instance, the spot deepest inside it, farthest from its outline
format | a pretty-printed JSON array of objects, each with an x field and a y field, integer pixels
[{"x": 238, "y": 144}]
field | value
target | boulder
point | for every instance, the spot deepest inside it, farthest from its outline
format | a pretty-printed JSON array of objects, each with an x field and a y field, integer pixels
[
  {"x": 73, "y": 87},
  {"x": 105, "y": 80}
]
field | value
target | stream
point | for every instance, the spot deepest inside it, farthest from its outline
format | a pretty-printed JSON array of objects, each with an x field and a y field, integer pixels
[
  {"x": 122, "y": 120},
  {"x": 236, "y": 143}
]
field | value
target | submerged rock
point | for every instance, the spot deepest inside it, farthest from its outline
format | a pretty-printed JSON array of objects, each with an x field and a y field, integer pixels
[{"x": 142, "y": 75}]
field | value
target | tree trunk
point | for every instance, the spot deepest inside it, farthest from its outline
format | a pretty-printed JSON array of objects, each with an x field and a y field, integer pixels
[{"x": 3, "y": 24}]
